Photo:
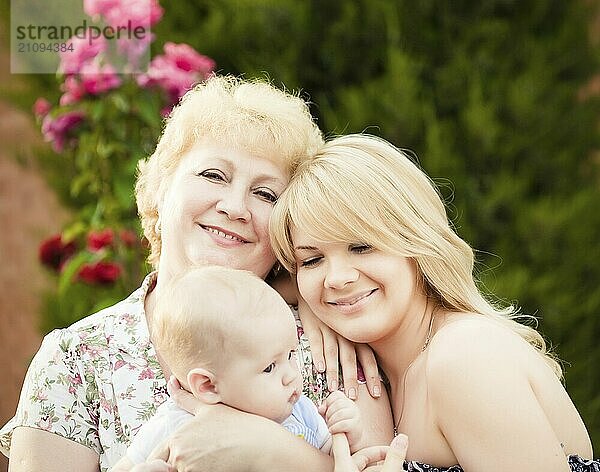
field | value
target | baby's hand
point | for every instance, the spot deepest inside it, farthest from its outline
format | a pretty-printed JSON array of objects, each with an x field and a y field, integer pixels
[{"x": 342, "y": 416}]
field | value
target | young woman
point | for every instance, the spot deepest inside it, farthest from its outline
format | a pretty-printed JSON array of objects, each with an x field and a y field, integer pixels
[{"x": 366, "y": 233}]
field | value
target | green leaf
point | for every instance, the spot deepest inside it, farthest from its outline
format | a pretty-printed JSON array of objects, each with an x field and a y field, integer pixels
[{"x": 69, "y": 270}]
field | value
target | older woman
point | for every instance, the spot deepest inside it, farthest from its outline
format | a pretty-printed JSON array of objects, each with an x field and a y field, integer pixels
[{"x": 204, "y": 196}]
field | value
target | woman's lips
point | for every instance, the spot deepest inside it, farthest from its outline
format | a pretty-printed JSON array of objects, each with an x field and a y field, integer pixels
[
  {"x": 223, "y": 236},
  {"x": 352, "y": 300}
]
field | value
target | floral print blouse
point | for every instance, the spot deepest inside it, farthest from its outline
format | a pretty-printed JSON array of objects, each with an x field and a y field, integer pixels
[{"x": 97, "y": 381}]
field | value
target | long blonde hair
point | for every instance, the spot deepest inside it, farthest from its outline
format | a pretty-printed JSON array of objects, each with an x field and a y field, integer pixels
[{"x": 360, "y": 188}]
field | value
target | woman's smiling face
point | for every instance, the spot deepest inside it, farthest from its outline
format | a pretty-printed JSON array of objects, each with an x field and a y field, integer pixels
[
  {"x": 362, "y": 293},
  {"x": 216, "y": 210}
]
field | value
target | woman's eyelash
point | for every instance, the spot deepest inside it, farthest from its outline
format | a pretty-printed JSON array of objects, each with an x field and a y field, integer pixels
[
  {"x": 212, "y": 174},
  {"x": 310, "y": 262},
  {"x": 266, "y": 194},
  {"x": 269, "y": 368},
  {"x": 360, "y": 248}
]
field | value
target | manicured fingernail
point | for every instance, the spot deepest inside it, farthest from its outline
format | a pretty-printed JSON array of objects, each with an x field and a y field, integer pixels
[
  {"x": 400, "y": 441},
  {"x": 320, "y": 367},
  {"x": 352, "y": 393},
  {"x": 376, "y": 391},
  {"x": 333, "y": 386}
]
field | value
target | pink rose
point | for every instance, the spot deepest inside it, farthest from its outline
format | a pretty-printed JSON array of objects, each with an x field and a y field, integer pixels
[
  {"x": 58, "y": 130},
  {"x": 41, "y": 107},
  {"x": 99, "y": 7},
  {"x": 84, "y": 51},
  {"x": 74, "y": 91},
  {"x": 98, "y": 79},
  {"x": 177, "y": 70},
  {"x": 143, "y": 13},
  {"x": 187, "y": 59},
  {"x": 94, "y": 79}
]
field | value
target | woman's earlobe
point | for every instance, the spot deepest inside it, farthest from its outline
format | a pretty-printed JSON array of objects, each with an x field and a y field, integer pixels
[{"x": 203, "y": 386}]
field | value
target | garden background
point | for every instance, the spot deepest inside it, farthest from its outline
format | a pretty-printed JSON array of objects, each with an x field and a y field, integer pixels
[{"x": 498, "y": 99}]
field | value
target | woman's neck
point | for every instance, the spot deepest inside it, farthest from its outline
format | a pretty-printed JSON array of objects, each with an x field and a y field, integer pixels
[{"x": 396, "y": 352}]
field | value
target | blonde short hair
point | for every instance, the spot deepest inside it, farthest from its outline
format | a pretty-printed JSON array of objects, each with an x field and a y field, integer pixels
[
  {"x": 362, "y": 189},
  {"x": 202, "y": 310},
  {"x": 252, "y": 115}
]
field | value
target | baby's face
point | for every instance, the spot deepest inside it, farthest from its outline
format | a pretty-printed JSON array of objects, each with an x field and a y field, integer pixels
[{"x": 262, "y": 377}]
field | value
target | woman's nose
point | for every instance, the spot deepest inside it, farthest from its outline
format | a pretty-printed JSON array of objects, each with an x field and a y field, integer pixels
[
  {"x": 233, "y": 203},
  {"x": 339, "y": 274}
]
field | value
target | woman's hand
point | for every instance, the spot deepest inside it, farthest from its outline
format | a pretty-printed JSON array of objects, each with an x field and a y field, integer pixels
[
  {"x": 394, "y": 455},
  {"x": 326, "y": 345}
]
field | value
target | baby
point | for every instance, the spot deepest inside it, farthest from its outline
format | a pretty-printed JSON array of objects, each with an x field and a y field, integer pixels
[{"x": 236, "y": 347}]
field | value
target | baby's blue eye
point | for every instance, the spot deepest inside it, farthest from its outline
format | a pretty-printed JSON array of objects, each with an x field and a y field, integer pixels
[{"x": 269, "y": 368}]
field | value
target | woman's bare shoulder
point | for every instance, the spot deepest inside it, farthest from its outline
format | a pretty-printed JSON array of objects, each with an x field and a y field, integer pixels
[{"x": 475, "y": 343}]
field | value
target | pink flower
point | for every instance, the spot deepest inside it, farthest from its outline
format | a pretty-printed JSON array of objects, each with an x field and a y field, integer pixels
[
  {"x": 146, "y": 374},
  {"x": 84, "y": 51},
  {"x": 75, "y": 379},
  {"x": 97, "y": 240},
  {"x": 41, "y": 107},
  {"x": 187, "y": 59},
  {"x": 99, "y": 7},
  {"x": 74, "y": 91},
  {"x": 94, "y": 79},
  {"x": 177, "y": 70},
  {"x": 58, "y": 130},
  {"x": 120, "y": 363},
  {"x": 143, "y": 13},
  {"x": 97, "y": 79}
]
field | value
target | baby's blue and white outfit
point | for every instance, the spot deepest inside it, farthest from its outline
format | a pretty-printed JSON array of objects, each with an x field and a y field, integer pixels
[{"x": 305, "y": 421}]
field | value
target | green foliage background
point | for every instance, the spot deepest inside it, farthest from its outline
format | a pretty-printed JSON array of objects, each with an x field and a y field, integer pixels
[{"x": 488, "y": 96}]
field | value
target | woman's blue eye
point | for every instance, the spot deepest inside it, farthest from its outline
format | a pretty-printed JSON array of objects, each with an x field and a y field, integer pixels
[{"x": 269, "y": 368}]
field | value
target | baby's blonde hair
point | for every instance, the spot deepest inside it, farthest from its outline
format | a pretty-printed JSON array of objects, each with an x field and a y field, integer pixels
[
  {"x": 251, "y": 115},
  {"x": 362, "y": 189},
  {"x": 201, "y": 311}
]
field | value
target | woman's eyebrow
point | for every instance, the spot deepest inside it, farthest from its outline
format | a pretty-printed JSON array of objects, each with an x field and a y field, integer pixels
[{"x": 307, "y": 248}]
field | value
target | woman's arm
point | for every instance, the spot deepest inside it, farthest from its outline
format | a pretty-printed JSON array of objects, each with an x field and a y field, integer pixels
[
  {"x": 221, "y": 438},
  {"x": 34, "y": 449},
  {"x": 376, "y": 415}
]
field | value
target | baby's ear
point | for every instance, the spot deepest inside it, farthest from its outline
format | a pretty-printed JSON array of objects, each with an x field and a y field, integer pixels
[{"x": 202, "y": 385}]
